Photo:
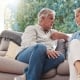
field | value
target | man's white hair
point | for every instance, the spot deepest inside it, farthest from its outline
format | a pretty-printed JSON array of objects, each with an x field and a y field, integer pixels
[{"x": 45, "y": 12}]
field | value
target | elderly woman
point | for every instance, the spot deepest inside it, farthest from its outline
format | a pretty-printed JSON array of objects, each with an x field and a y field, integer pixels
[
  {"x": 37, "y": 47},
  {"x": 74, "y": 51}
]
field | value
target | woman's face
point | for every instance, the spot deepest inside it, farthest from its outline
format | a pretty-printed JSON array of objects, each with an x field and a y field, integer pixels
[{"x": 77, "y": 18}]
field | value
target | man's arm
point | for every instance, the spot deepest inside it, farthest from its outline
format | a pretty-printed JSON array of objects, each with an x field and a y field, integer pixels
[{"x": 59, "y": 35}]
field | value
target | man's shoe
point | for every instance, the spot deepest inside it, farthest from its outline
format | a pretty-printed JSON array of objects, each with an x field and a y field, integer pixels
[
  {"x": 17, "y": 78},
  {"x": 20, "y": 78}
]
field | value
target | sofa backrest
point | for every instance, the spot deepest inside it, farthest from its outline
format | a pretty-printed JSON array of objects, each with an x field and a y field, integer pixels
[
  {"x": 7, "y": 36},
  {"x": 12, "y": 35}
]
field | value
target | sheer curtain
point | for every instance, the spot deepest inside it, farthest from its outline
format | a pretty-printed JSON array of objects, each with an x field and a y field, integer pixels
[{"x": 2, "y": 6}]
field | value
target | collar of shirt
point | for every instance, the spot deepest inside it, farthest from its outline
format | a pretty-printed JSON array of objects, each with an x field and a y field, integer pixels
[{"x": 42, "y": 29}]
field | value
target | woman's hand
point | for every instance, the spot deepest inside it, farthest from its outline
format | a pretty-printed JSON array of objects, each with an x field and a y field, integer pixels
[{"x": 52, "y": 54}]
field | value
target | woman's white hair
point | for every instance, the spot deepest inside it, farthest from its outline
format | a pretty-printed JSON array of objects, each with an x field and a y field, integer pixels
[
  {"x": 77, "y": 11},
  {"x": 45, "y": 12}
]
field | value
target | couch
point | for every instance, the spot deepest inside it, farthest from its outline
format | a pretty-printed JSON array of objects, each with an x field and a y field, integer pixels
[{"x": 10, "y": 68}]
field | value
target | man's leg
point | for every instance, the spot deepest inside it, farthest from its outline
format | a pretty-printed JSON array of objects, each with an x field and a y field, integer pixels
[
  {"x": 52, "y": 63},
  {"x": 36, "y": 57}
]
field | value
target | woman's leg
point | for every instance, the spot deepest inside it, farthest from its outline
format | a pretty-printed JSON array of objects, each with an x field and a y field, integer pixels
[
  {"x": 73, "y": 58},
  {"x": 77, "y": 66}
]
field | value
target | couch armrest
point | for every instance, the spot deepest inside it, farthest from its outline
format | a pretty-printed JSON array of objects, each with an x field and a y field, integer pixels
[{"x": 11, "y": 66}]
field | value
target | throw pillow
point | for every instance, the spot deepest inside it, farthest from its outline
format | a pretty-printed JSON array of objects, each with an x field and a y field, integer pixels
[{"x": 12, "y": 50}]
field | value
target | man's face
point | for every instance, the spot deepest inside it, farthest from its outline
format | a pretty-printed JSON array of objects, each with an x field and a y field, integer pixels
[
  {"x": 77, "y": 18},
  {"x": 48, "y": 22}
]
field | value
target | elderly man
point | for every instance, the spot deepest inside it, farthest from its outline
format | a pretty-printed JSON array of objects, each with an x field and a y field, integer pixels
[
  {"x": 38, "y": 46},
  {"x": 74, "y": 51}
]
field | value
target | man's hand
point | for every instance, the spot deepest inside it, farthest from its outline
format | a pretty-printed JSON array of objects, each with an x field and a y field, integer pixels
[{"x": 52, "y": 54}]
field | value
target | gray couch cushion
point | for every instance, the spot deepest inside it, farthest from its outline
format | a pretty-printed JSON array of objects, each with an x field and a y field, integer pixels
[
  {"x": 49, "y": 74},
  {"x": 61, "y": 46},
  {"x": 60, "y": 77},
  {"x": 63, "y": 68}
]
